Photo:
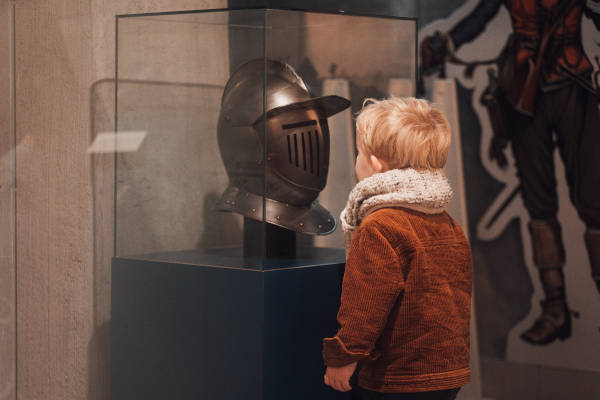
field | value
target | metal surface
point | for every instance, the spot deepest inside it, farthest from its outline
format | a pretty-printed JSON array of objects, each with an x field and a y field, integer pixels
[
  {"x": 292, "y": 128},
  {"x": 311, "y": 219}
]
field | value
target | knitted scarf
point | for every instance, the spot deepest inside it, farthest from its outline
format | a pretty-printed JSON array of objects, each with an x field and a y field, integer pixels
[{"x": 425, "y": 191}]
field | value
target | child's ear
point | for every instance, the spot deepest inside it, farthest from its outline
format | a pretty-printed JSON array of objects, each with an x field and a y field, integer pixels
[{"x": 377, "y": 164}]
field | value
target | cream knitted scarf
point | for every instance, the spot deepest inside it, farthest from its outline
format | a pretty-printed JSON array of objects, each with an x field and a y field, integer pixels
[{"x": 426, "y": 191}]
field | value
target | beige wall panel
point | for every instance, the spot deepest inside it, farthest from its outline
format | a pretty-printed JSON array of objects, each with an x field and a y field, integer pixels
[
  {"x": 54, "y": 232},
  {"x": 65, "y": 61},
  {"x": 7, "y": 276}
]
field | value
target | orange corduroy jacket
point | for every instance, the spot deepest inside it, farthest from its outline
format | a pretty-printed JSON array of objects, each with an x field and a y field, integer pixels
[{"x": 405, "y": 305}]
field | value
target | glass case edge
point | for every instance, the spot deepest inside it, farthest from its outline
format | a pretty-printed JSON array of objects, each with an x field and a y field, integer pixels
[
  {"x": 116, "y": 116},
  {"x": 331, "y": 12}
]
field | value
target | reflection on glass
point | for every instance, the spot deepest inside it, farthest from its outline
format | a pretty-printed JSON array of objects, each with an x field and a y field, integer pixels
[{"x": 110, "y": 142}]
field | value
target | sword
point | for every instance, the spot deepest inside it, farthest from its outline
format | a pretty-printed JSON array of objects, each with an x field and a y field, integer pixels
[
  {"x": 597, "y": 73},
  {"x": 503, "y": 206},
  {"x": 581, "y": 81}
]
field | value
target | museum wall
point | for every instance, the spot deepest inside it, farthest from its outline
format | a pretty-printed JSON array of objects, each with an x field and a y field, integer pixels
[
  {"x": 65, "y": 96},
  {"x": 7, "y": 173}
]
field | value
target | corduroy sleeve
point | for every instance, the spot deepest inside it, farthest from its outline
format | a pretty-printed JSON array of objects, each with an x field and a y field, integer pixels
[{"x": 372, "y": 282}]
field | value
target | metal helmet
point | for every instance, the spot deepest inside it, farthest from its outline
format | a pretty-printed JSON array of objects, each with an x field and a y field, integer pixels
[{"x": 268, "y": 100}]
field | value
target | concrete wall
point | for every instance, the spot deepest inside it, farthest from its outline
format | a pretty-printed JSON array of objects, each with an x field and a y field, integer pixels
[
  {"x": 7, "y": 271},
  {"x": 65, "y": 95}
]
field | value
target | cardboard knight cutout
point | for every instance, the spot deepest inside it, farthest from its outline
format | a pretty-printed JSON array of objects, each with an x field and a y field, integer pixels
[{"x": 532, "y": 67}]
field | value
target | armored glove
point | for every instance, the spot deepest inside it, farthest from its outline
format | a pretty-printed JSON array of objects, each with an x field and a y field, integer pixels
[
  {"x": 496, "y": 151},
  {"x": 434, "y": 52}
]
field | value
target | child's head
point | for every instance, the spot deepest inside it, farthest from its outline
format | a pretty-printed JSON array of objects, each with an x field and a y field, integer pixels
[{"x": 402, "y": 133}]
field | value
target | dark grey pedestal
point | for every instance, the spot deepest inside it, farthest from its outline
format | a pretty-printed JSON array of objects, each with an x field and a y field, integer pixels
[{"x": 215, "y": 325}]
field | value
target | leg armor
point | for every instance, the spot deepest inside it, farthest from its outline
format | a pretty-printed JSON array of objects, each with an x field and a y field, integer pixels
[
  {"x": 592, "y": 243},
  {"x": 549, "y": 257}
]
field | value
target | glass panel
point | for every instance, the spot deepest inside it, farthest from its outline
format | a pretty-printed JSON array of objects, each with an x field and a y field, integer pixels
[
  {"x": 187, "y": 147},
  {"x": 234, "y": 157},
  {"x": 196, "y": 141},
  {"x": 339, "y": 58}
]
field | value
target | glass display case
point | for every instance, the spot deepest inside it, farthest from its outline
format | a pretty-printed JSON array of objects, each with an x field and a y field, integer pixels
[
  {"x": 234, "y": 158},
  {"x": 208, "y": 142}
]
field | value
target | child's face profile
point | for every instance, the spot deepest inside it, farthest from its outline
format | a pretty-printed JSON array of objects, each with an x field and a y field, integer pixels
[{"x": 366, "y": 164}]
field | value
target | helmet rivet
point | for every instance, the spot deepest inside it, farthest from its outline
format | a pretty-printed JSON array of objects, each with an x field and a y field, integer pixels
[
  {"x": 254, "y": 210},
  {"x": 301, "y": 223}
]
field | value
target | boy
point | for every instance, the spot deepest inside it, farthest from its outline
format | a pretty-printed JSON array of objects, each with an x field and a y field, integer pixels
[{"x": 406, "y": 295}]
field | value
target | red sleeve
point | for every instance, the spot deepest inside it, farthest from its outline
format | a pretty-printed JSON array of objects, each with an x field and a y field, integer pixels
[{"x": 372, "y": 283}]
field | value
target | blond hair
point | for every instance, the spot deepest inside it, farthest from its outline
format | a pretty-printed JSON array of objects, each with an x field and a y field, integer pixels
[{"x": 404, "y": 133}]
